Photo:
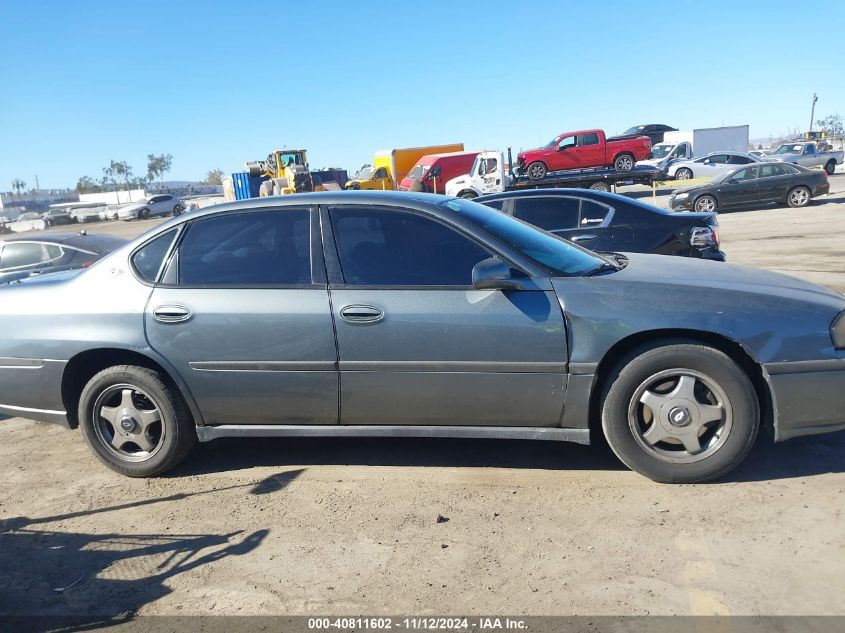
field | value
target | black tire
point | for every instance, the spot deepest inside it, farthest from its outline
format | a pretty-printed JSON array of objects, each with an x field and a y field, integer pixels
[
  {"x": 726, "y": 450},
  {"x": 683, "y": 173},
  {"x": 830, "y": 167},
  {"x": 705, "y": 204},
  {"x": 600, "y": 186},
  {"x": 468, "y": 195},
  {"x": 536, "y": 170},
  {"x": 176, "y": 433},
  {"x": 178, "y": 209},
  {"x": 623, "y": 162},
  {"x": 143, "y": 214},
  {"x": 798, "y": 197}
]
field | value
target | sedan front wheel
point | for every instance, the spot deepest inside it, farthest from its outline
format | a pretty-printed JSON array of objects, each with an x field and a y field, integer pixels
[
  {"x": 705, "y": 204},
  {"x": 680, "y": 413}
]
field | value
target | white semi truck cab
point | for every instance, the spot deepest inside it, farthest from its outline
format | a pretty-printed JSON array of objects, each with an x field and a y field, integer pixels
[{"x": 487, "y": 175}]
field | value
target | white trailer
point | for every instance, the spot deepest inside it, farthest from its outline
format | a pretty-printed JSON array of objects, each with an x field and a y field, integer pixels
[{"x": 689, "y": 144}]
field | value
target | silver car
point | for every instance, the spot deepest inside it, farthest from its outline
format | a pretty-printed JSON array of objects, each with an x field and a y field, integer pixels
[
  {"x": 389, "y": 314},
  {"x": 163, "y": 204},
  {"x": 711, "y": 165}
]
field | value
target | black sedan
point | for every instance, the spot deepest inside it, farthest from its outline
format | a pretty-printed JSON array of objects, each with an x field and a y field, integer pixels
[
  {"x": 604, "y": 221},
  {"x": 22, "y": 257},
  {"x": 756, "y": 184}
]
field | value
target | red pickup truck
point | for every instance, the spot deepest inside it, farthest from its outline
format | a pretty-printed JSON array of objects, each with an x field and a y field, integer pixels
[{"x": 588, "y": 148}]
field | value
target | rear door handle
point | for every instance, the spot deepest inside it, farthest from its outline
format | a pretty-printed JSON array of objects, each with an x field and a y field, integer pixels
[
  {"x": 361, "y": 313},
  {"x": 581, "y": 238},
  {"x": 171, "y": 314}
]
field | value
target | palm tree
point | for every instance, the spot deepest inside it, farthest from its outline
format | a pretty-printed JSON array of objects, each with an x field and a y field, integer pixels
[{"x": 18, "y": 185}]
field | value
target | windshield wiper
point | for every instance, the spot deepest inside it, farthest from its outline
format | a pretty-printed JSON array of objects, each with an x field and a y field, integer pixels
[{"x": 604, "y": 267}]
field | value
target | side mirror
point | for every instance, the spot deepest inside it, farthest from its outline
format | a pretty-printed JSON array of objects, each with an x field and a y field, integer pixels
[{"x": 493, "y": 274}]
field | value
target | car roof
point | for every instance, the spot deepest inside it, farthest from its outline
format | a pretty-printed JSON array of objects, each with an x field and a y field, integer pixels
[
  {"x": 599, "y": 196},
  {"x": 415, "y": 200}
]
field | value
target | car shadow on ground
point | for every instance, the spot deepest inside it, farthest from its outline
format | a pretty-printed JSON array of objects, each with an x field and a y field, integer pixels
[
  {"x": 801, "y": 457},
  {"x": 235, "y": 453},
  {"x": 53, "y": 579}
]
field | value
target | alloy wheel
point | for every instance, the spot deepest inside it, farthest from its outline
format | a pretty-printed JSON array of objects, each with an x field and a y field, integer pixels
[
  {"x": 128, "y": 423},
  {"x": 624, "y": 163},
  {"x": 680, "y": 416},
  {"x": 799, "y": 197}
]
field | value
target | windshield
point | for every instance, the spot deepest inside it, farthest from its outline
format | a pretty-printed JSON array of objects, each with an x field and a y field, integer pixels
[
  {"x": 724, "y": 176},
  {"x": 553, "y": 142},
  {"x": 365, "y": 173},
  {"x": 551, "y": 253},
  {"x": 789, "y": 149},
  {"x": 634, "y": 130},
  {"x": 418, "y": 172},
  {"x": 661, "y": 151}
]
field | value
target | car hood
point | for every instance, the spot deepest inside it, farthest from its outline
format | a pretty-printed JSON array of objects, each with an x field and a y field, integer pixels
[
  {"x": 697, "y": 273},
  {"x": 689, "y": 189},
  {"x": 132, "y": 207}
]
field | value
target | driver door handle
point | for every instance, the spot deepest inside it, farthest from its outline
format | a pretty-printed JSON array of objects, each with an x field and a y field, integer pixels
[
  {"x": 581, "y": 238},
  {"x": 171, "y": 313},
  {"x": 361, "y": 313}
]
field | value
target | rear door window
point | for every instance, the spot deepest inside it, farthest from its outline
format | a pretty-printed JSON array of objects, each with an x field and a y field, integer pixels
[
  {"x": 588, "y": 139},
  {"x": 767, "y": 171},
  {"x": 735, "y": 159},
  {"x": 268, "y": 248},
  {"x": 552, "y": 213}
]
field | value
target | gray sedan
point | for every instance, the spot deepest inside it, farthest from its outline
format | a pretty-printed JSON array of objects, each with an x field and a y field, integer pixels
[{"x": 387, "y": 314}]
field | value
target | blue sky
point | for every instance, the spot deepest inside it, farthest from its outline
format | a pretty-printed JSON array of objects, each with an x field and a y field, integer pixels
[{"x": 218, "y": 83}]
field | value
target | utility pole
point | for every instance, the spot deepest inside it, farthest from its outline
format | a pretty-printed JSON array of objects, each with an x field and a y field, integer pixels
[{"x": 813, "y": 111}]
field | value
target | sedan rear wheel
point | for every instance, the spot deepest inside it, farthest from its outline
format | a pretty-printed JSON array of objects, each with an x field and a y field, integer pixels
[
  {"x": 683, "y": 174},
  {"x": 134, "y": 422},
  {"x": 705, "y": 204},
  {"x": 798, "y": 197},
  {"x": 680, "y": 413}
]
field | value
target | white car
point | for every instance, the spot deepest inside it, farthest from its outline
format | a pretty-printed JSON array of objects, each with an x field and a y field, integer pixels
[
  {"x": 163, "y": 204},
  {"x": 711, "y": 165},
  {"x": 30, "y": 221},
  {"x": 82, "y": 215}
]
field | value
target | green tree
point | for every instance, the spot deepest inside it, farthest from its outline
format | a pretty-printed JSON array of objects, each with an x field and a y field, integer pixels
[
  {"x": 87, "y": 185},
  {"x": 832, "y": 125},
  {"x": 214, "y": 177},
  {"x": 18, "y": 185},
  {"x": 157, "y": 166}
]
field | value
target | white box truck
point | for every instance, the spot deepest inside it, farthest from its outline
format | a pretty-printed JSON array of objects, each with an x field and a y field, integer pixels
[{"x": 689, "y": 144}]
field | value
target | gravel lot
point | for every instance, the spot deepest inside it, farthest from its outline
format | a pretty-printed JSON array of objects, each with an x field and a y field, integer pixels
[{"x": 351, "y": 526}]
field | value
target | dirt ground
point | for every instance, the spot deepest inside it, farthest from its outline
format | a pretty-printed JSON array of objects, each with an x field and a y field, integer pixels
[{"x": 427, "y": 526}]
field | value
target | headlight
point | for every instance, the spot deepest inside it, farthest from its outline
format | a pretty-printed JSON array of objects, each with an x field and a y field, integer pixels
[
  {"x": 681, "y": 196},
  {"x": 837, "y": 331}
]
